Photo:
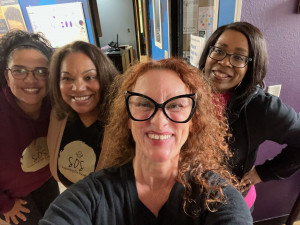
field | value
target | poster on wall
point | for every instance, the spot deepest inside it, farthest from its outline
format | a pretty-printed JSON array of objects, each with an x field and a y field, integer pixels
[
  {"x": 205, "y": 24},
  {"x": 190, "y": 15},
  {"x": 196, "y": 47},
  {"x": 60, "y": 23},
  {"x": 13, "y": 15},
  {"x": 3, "y": 25}
]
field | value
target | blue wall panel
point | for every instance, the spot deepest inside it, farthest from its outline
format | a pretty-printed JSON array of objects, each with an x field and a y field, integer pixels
[{"x": 226, "y": 12}]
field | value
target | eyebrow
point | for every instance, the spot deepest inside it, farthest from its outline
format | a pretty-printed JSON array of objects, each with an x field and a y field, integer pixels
[
  {"x": 37, "y": 67},
  {"x": 236, "y": 49},
  {"x": 86, "y": 71}
]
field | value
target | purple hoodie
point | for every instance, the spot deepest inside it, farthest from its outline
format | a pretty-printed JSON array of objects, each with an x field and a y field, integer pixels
[{"x": 23, "y": 150}]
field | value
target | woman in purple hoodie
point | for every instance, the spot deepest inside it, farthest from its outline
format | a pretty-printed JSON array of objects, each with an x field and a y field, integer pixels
[{"x": 26, "y": 186}]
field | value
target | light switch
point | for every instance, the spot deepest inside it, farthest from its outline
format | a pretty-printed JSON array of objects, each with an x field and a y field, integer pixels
[
  {"x": 274, "y": 89},
  {"x": 166, "y": 54}
]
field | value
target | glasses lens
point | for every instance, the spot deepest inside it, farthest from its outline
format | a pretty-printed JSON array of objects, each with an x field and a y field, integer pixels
[
  {"x": 140, "y": 108},
  {"x": 179, "y": 109},
  {"x": 40, "y": 73},
  {"x": 19, "y": 73},
  {"x": 217, "y": 53},
  {"x": 238, "y": 60}
]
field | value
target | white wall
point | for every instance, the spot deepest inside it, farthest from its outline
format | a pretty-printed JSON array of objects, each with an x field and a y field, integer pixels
[{"x": 117, "y": 17}]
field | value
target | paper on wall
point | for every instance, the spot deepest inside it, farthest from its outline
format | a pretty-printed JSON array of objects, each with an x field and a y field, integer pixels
[
  {"x": 190, "y": 15},
  {"x": 196, "y": 48}
]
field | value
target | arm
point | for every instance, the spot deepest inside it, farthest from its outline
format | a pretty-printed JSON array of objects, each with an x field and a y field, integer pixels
[
  {"x": 282, "y": 125},
  {"x": 234, "y": 212},
  {"x": 74, "y": 206},
  {"x": 6, "y": 203}
]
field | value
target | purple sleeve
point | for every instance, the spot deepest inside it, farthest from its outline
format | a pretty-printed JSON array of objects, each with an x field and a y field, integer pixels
[{"x": 6, "y": 203}]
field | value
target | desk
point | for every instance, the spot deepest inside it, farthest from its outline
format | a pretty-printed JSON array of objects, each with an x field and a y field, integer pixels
[{"x": 120, "y": 59}]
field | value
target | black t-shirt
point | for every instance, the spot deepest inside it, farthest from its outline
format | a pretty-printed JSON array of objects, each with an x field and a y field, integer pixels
[
  {"x": 79, "y": 151},
  {"x": 110, "y": 197}
]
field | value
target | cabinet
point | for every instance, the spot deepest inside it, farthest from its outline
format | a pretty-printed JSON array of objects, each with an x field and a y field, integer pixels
[{"x": 121, "y": 58}]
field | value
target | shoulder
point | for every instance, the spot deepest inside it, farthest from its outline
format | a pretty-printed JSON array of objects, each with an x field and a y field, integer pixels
[
  {"x": 55, "y": 128},
  {"x": 107, "y": 181},
  {"x": 271, "y": 106},
  {"x": 265, "y": 104},
  {"x": 101, "y": 187},
  {"x": 3, "y": 101},
  {"x": 56, "y": 125},
  {"x": 233, "y": 210},
  {"x": 113, "y": 176}
]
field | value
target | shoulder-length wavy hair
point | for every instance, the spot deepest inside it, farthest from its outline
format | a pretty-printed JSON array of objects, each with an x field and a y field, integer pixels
[
  {"x": 17, "y": 39},
  {"x": 206, "y": 146},
  {"x": 257, "y": 68},
  {"x": 106, "y": 72}
]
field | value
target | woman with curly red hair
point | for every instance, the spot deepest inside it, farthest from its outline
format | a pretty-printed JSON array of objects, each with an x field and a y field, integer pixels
[{"x": 165, "y": 154}]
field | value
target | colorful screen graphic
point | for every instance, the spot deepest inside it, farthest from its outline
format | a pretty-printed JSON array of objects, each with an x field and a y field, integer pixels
[{"x": 60, "y": 23}]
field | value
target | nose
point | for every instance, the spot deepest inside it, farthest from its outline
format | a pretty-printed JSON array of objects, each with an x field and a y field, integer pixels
[
  {"x": 78, "y": 85},
  {"x": 159, "y": 119},
  {"x": 225, "y": 61},
  {"x": 30, "y": 77}
]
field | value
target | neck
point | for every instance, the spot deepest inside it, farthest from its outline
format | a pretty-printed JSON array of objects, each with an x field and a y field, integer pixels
[
  {"x": 155, "y": 175},
  {"x": 154, "y": 181},
  {"x": 33, "y": 111},
  {"x": 89, "y": 118}
]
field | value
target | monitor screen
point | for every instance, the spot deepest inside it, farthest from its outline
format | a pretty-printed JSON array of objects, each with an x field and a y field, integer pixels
[{"x": 61, "y": 21}]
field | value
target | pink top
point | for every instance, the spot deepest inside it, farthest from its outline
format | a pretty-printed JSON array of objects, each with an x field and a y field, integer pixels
[{"x": 250, "y": 197}]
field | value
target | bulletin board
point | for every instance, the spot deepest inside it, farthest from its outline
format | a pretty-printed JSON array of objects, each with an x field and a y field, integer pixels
[
  {"x": 200, "y": 18},
  {"x": 11, "y": 16}
]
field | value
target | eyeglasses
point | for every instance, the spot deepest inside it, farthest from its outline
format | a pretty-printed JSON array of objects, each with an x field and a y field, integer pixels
[
  {"x": 178, "y": 109},
  {"x": 40, "y": 73},
  {"x": 236, "y": 60}
]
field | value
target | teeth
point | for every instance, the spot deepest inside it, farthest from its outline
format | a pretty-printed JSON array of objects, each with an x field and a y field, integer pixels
[
  {"x": 159, "y": 137},
  {"x": 219, "y": 74},
  {"x": 31, "y": 89},
  {"x": 82, "y": 98}
]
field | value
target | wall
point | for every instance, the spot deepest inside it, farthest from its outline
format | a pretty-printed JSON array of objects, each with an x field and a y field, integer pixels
[
  {"x": 117, "y": 17},
  {"x": 280, "y": 25},
  {"x": 156, "y": 52}
]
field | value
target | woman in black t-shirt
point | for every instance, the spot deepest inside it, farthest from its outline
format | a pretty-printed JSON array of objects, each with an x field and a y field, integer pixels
[{"x": 80, "y": 77}]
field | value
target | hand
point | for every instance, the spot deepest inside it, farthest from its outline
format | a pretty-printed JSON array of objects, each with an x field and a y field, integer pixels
[
  {"x": 17, "y": 211},
  {"x": 250, "y": 178}
]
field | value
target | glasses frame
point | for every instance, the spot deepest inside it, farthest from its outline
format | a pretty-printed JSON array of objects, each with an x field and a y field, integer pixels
[
  {"x": 230, "y": 55},
  {"x": 27, "y": 73},
  {"x": 162, "y": 106}
]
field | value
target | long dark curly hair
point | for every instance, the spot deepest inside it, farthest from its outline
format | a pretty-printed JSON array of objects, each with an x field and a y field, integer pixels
[
  {"x": 16, "y": 39},
  {"x": 206, "y": 147}
]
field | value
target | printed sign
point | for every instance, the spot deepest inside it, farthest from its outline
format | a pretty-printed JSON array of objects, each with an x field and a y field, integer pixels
[{"x": 196, "y": 48}]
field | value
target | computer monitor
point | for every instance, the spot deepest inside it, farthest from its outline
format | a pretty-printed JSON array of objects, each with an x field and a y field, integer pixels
[{"x": 62, "y": 21}]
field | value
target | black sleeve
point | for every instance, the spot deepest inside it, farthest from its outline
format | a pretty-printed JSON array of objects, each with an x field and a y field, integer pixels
[
  {"x": 234, "y": 211},
  {"x": 74, "y": 206},
  {"x": 282, "y": 125}
]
